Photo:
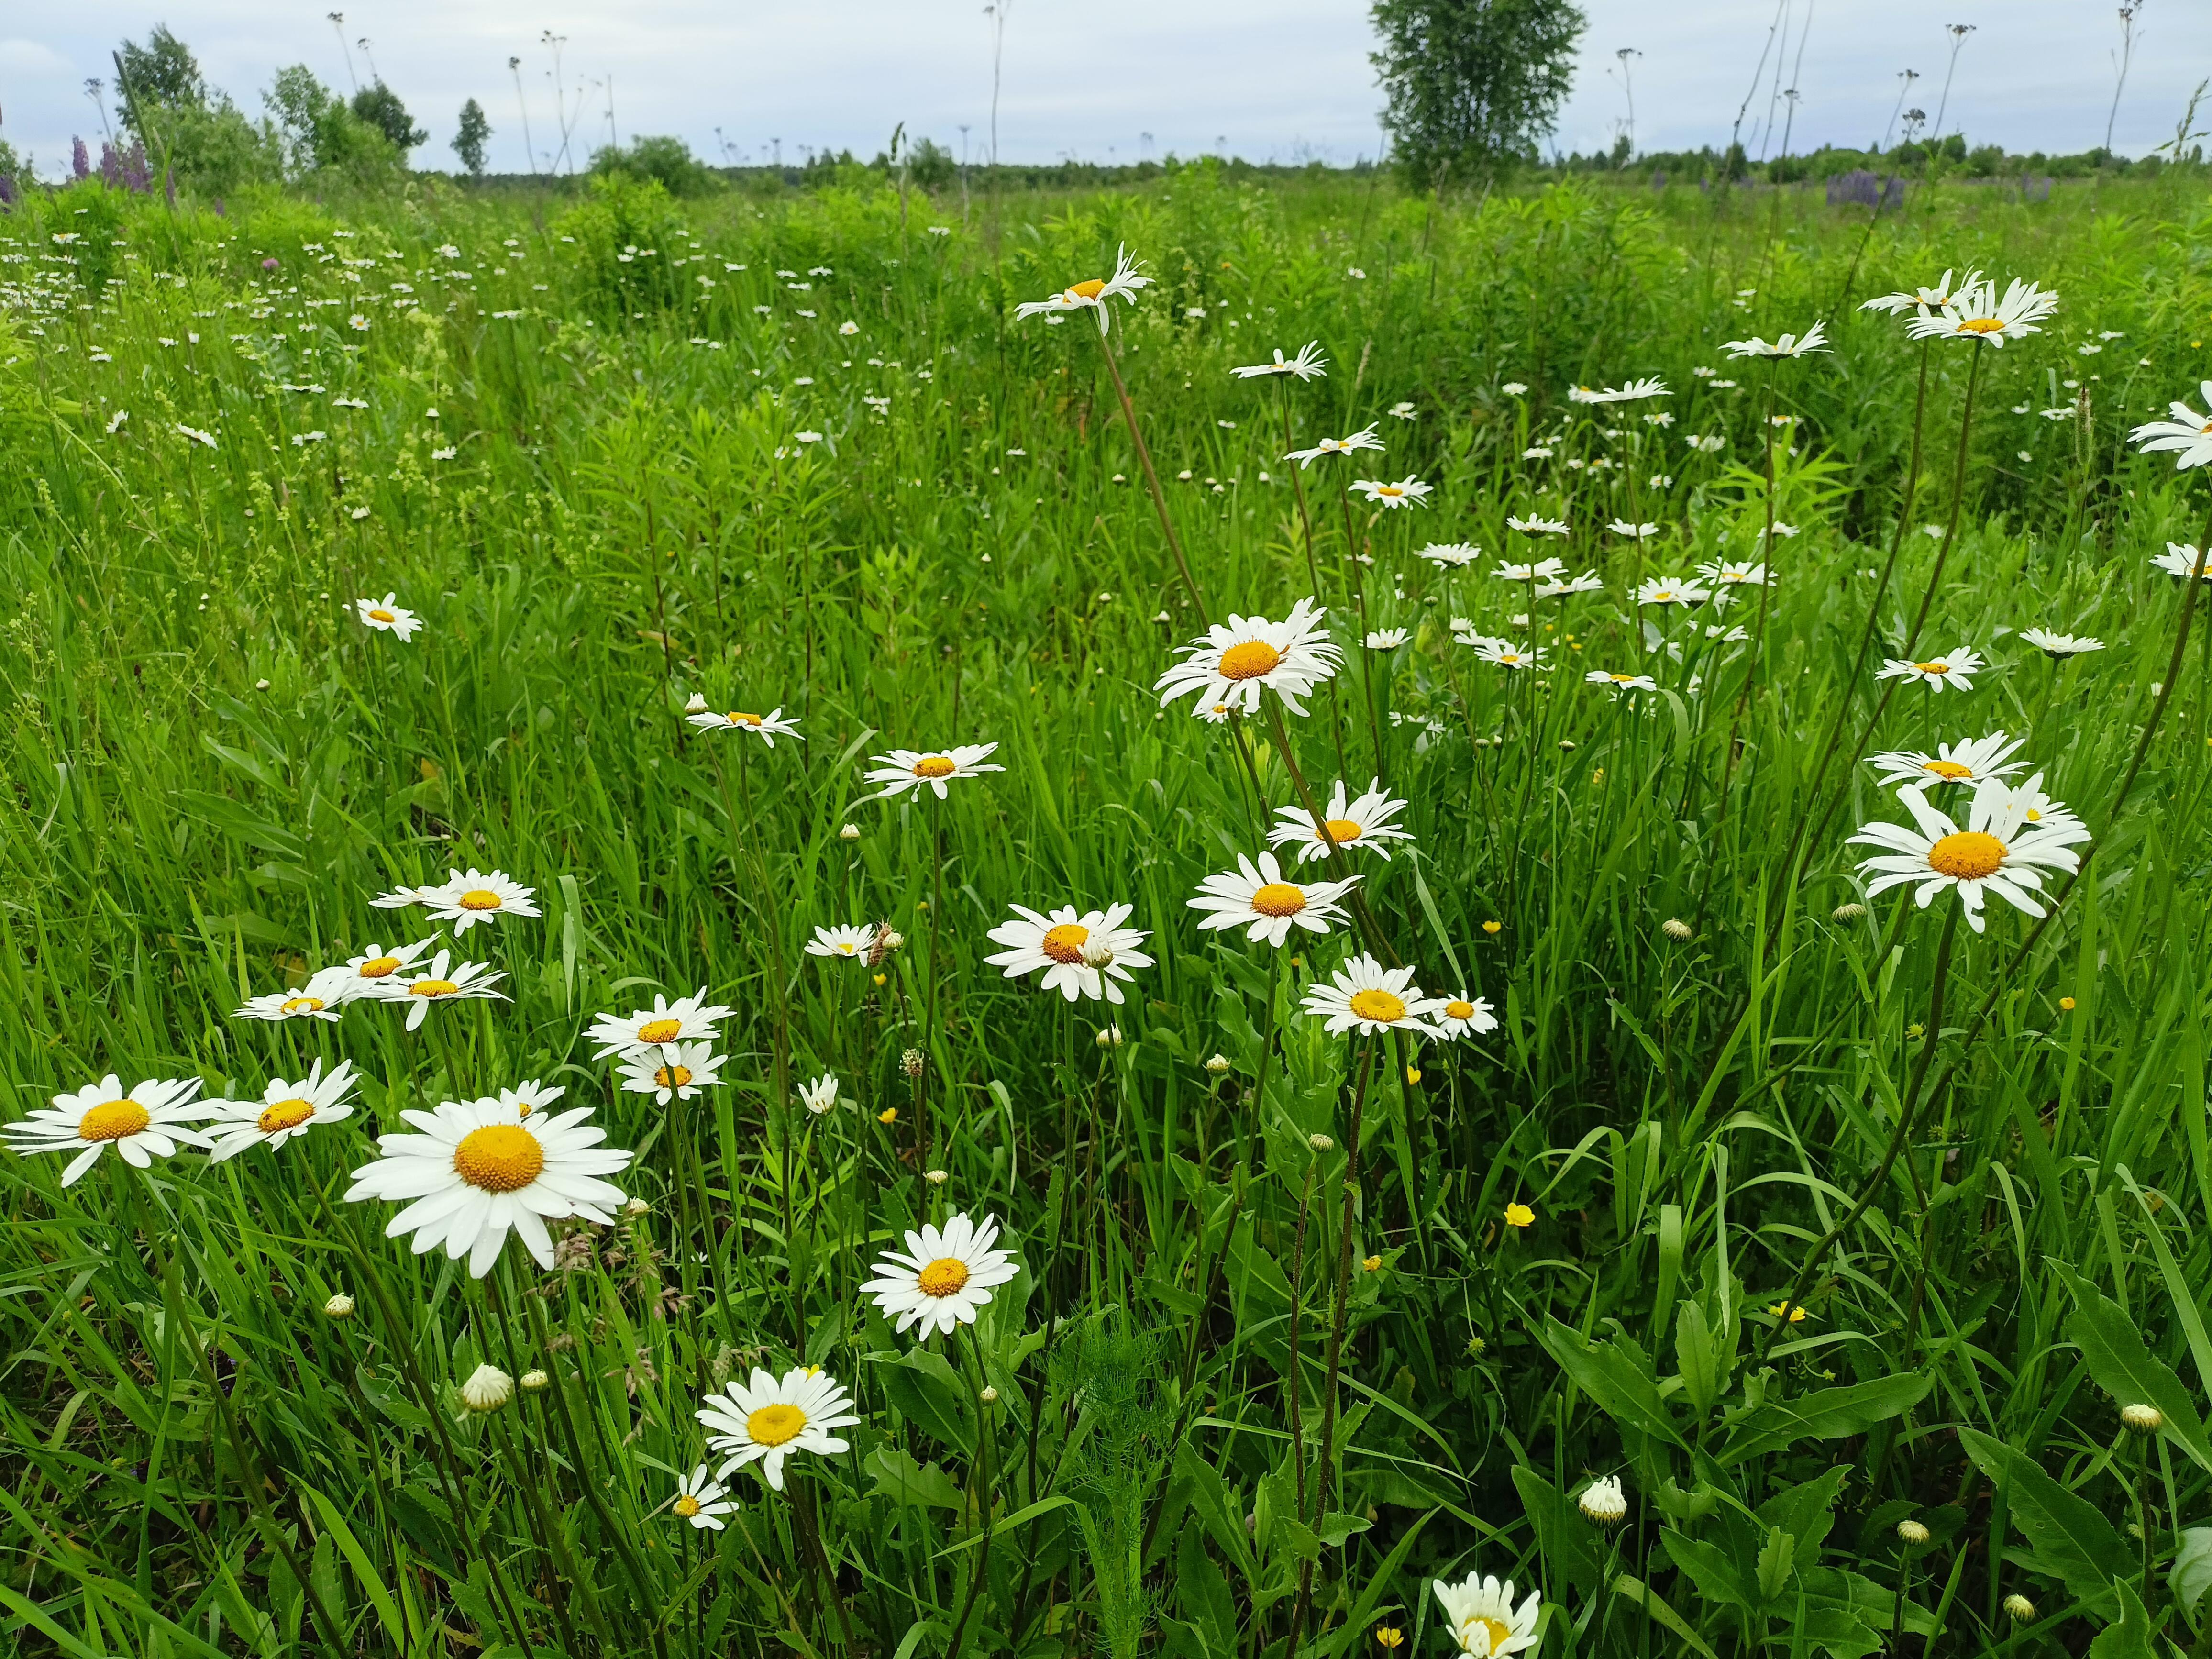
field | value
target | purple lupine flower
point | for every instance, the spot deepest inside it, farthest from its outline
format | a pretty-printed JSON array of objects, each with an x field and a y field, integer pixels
[
  {"x": 137, "y": 176},
  {"x": 79, "y": 159},
  {"x": 7, "y": 191}
]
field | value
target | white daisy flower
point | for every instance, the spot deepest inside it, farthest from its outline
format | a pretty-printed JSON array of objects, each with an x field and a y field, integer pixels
[
  {"x": 399, "y": 898},
  {"x": 480, "y": 1170},
  {"x": 323, "y": 997},
  {"x": 467, "y": 897},
  {"x": 1723, "y": 573},
  {"x": 1510, "y": 653},
  {"x": 1997, "y": 851},
  {"x": 1542, "y": 571},
  {"x": 767, "y": 1419},
  {"x": 700, "y": 1501},
  {"x": 1534, "y": 526},
  {"x": 1620, "y": 683},
  {"x": 1464, "y": 1016},
  {"x": 2055, "y": 646},
  {"x": 1123, "y": 283},
  {"x": 944, "y": 1276},
  {"x": 2188, "y": 435},
  {"x": 2179, "y": 562},
  {"x": 1789, "y": 345},
  {"x": 284, "y": 1111},
  {"x": 2040, "y": 812},
  {"x": 768, "y": 727},
  {"x": 1451, "y": 554},
  {"x": 1632, "y": 530},
  {"x": 855, "y": 944},
  {"x": 144, "y": 1125},
  {"x": 1308, "y": 365},
  {"x": 905, "y": 770},
  {"x": 1080, "y": 955},
  {"x": 1482, "y": 1616},
  {"x": 1976, "y": 760},
  {"x": 1386, "y": 639},
  {"x": 1365, "y": 996},
  {"x": 648, "y": 1031},
  {"x": 1514, "y": 389},
  {"x": 1671, "y": 590},
  {"x": 386, "y": 616},
  {"x": 1976, "y": 313},
  {"x": 376, "y": 963},
  {"x": 1363, "y": 439},
  {"x": 1231, "y": 662},
  {"x": 532, "y": 1095},
  {"x": 444, "y": 980},
  {"x": 675, "y": 1071},
  {"x": 1407, "y": 492},
  {"x": 1362, "y": 823},
  {"x": 1956, "y": 668},
  {"x": 1588, "y": 582},
  {"x": 1257, "y": 898},
  {"x": 1604, "y": 1501},
  {"x": 821, "y": 1094},
  {"x": 1925, "y": 301},
  {"x": 1651, "y": 386}
]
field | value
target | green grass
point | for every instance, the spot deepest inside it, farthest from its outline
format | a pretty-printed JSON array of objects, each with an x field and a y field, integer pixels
[{"x": 212, "y": 768}]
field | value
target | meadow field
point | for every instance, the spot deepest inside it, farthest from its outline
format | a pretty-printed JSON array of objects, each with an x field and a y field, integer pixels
[{"x": 757, "y": 986}]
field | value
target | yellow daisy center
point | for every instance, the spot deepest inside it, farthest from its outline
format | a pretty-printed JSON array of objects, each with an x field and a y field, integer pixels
[
  {"x": 1966, "y": 855},
  {"x": 935, "y": 766},
  {"x": 1933, "y": 667},
  {"x": 379, "y": 967},
  {"x": 382, "y": 616},
  {"x": 1249, "y": 660},
  {"x": 1982, "y": 326},
  {"x": 1279, "y": 898},
  {"x": 284, "y": 1114},
  {"x": 300, "y": 1006},
  {"x": 1460, "y": 1010},
  {"x": 657, "y": 1032},
  {"x": 1389, "y": 490},
  {"x": 945, "y": 1276},
  {"x": 432, "y": 988},
  {"x": 1949, "y": 770},
  {"x": 114, "y": 1121},
  {"x": 686, "y": 1506},
  {"x": 1089, "y": 291},
  {"x": 775, "y": 1426},
  {"x": 499, "y": 1158},
  {"x": 1383, "y": 1006},
  {"x": 1064, "y": 943},
  {"x": 1483, "y": 1636},
  {"x": 1341, "y": 830},
  {"x": 739, "y": 718},
  {"x": 481, "y": 898},
  {"x": 672, "y": 1077}
]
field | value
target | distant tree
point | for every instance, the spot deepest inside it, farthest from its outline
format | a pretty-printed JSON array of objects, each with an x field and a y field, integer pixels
[
  {"x": 161, "y": 75},
  {"x": 1472, "y": 84},
  {"x": 667, "y": 161},
  {"x": 315, "y": 131},
  {"x": 469, "y": 142},
  {"x": 378, "y": 107}
]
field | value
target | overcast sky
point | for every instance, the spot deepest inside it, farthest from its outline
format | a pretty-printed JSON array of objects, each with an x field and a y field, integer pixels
[{"x": 1280, "y": 79}]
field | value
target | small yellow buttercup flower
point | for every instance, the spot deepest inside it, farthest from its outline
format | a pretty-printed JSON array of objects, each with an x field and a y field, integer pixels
[
  {"x": 1493, "y": 927},
  {"x": 2066, "y": 1005},
  {"x": 1390, "y": 1637},
  {"x": 1413, "y": 1076},
  {"x": 1372, "y": 1264},
  {"x": 1793, "y": 1312},
  {"x": 889, "y": 1115},
  {"x": 1519, "y": 1215}
]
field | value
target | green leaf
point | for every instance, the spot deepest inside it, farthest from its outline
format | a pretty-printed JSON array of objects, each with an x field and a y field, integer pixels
[
  {"x": 1776, "y": 1558},
  {"x": 2130, "y": 1638},
  {"x": 1655, "y": 1604},
  {"x": 2190, "y": 1575},
  {"x": 1564, "y": 1539},
  {"x": 901, "y": 1479},
  {"x": 1699, "y": 1358},
  {"x": 1623, "y": 1387},
  {"x": 2068, "y": 1532},
  {"x": 1806, "y": 1511},
  {"x": 1707, "y": 1568},
  {"x": 2125, "y": 1368},
  {"x": 1824, "y": 1414}
]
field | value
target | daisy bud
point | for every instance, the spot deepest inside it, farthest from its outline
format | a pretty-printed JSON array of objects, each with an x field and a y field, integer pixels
[
  {"x": 2142, "y": 1420},
  {"x": 1848, "y": 912},
  {"x": 487, "y": 1390},
  {"x": 261, "y": 685},
  {"x": 2019, "y": 1608},
  {"x": 1604, "y": 1502},
  {"x": 1321, "y": 1142},
  {"x": 889, "y": 940},
  {"x": 938, "y": 1177},
  {"x": 1911, "y": 1534},
  {"x": 850, "y": 832},
  {"x": 1096, "y": 953},
  {"x": 989, "y": 1396},
  {"x": 339, "y": 1306},
  {"x": 635, "y": 1207},
  {"x": 1218, "y": 1064},
  {"x": 697, "y": 706},
  {"x": 1675, "y": 928},
  {"x": 911, "y": 1062},
  {"x": 1109, "y": 1037},
  {"x": 535, "y": 1381}
]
